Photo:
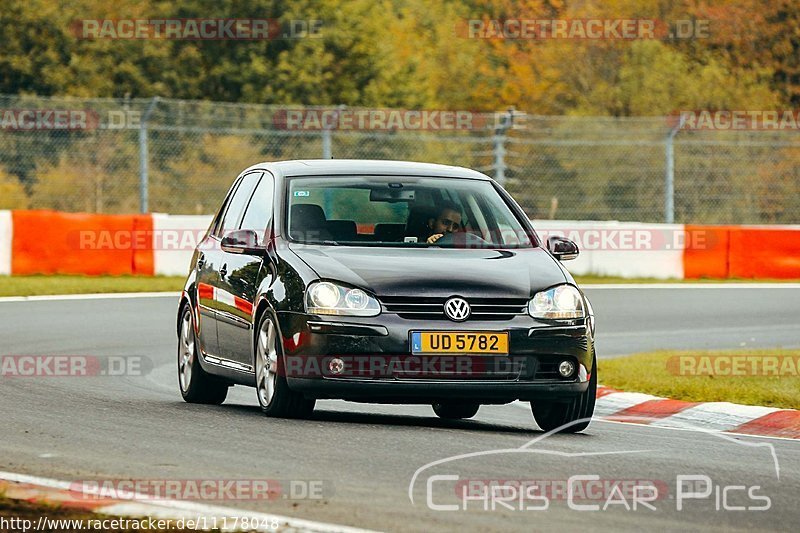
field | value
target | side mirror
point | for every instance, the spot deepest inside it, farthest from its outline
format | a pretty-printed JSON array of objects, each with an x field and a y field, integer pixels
[
  {"x": 242, "y": 241},
  {"x": 561, "y": 248}
]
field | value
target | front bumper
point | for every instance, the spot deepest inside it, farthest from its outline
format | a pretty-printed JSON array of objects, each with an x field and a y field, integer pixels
[
  {"x": 375, "y": 364},
  {"x": 432, "y": 391}
]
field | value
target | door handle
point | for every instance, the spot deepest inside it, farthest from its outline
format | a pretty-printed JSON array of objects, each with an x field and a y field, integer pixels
[
  {"x": 201, "y": 260},
  {"x": 223, "y": 271}
]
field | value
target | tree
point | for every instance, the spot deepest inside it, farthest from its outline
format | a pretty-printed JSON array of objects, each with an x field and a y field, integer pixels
[
  {"x": 94, "y": 176},
  {"x": 204, "y": 171},
  {"x": 12, "y": 193},
  {"x": 758, "y": 35}
]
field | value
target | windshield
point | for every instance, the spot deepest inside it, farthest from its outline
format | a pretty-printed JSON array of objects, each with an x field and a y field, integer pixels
[{"x": 401, "y": 211}]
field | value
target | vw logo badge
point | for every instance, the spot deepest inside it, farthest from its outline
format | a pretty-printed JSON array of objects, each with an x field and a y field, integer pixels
[{"x": 457, "y": 309}]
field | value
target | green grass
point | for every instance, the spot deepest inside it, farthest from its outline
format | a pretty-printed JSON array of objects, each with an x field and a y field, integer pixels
[
  {"x": 40, "y": 285},
  {"x": 659, "y": 373},
  {"x": 582, "y": 280}
]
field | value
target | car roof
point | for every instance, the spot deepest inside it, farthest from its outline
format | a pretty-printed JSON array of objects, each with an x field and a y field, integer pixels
[{"x": 350, "y": 167}]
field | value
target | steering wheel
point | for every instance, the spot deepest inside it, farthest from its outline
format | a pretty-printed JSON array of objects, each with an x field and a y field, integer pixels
[{"x": 462, "y": 239}]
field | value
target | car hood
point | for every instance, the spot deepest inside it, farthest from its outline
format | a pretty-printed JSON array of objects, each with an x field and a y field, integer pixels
[{"x": 435, "y": 271}]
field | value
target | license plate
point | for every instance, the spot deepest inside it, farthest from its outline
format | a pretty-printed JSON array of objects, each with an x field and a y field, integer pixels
[{"x": 468, "y": 342}]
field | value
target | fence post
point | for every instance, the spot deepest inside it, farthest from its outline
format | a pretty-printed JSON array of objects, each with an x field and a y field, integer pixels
[
  {"x": 669, "y": 176},
  {"x": 144, "y": 179},
  {"x": 327, "y": 127},
  {"x": 326, "y": 143},
  {"x": 499, "y": 148}
]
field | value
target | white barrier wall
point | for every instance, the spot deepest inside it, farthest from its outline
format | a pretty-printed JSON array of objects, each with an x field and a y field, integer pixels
[
  {"x": 6, "y": 232},
  {"x": 623, "y": 249},
  {"x": 174, "y": 240}
]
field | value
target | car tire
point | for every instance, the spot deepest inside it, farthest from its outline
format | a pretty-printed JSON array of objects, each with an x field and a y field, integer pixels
[
  {"x": 564, "y": 416},
  {"x": 196, "y": 385},
  {"x": 455, "y": 411},
  {"x": 274, "y": 395}
]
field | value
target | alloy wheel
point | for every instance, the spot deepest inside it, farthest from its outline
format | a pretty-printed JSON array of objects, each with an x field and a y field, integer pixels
[{"x": 266, "y": 363}]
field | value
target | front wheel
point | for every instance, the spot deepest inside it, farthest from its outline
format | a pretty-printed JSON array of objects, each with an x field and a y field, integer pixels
[
  {"x": 274, "y": 395},
  {"x": 571, "y": 416},
  {"x": 197, "y": 386},
  {"x": 455, "y": 411}
]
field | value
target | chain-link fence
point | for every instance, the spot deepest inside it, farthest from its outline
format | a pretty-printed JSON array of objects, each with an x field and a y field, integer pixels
[
  {"x": 619, "y": 168},
  {"x": 115, "y": 156}
]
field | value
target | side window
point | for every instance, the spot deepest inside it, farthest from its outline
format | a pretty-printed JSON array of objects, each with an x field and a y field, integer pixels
[
  {"x": 217, "y": 222},
  {"x": 237, "y": 204},
  {"x": 259, "y": 210}
]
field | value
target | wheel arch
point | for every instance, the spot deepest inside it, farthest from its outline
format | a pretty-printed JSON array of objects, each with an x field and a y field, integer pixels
[{"x": 185, "y": 300}]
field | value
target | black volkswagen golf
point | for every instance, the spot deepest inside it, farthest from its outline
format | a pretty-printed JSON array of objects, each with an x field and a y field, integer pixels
[{"x": 389, "y": 282}]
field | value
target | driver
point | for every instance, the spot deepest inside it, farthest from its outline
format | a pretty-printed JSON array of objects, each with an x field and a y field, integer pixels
[{"x": 447, "y": 220}]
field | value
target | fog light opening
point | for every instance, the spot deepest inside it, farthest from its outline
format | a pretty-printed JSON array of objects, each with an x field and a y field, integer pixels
[
  {"x": 336, "y": 366},
  {"x": 566, "y": 368}
]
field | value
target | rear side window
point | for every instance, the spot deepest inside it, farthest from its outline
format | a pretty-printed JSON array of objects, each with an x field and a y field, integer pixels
[
  {"x": 215, "y": 224},
  {"x": 259, "y": 210},
  {"x": 237, "y": 204}
]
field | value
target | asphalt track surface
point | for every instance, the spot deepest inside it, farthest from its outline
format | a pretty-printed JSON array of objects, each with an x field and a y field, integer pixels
[{"x": 137, "y": 427}]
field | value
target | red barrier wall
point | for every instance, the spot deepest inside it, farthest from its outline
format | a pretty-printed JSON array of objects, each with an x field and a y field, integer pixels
[
  {"x": 764, "y": 253},
  {"x": 706, "y": 251},
  {"x": 741, "y": 252},
  {"x": 51, "y": 242}
]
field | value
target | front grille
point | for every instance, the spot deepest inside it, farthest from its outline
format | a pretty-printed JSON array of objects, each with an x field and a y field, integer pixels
[{"x": 432, "y": 308}]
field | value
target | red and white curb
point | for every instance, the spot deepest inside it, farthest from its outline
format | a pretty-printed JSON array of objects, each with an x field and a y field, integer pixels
[
  {"x": 634, "y": 407},
  {"x": 64, "y": 494}
]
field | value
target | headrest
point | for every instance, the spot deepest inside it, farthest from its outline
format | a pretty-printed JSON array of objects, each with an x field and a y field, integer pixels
[
  {"x": 306, "y": 216},
  {"x": 343, "y": 230}
]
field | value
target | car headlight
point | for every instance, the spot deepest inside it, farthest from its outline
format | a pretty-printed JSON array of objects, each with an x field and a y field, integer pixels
[
  {"x": 326, "y": 298},
  {"x": 560, "y": 302}
]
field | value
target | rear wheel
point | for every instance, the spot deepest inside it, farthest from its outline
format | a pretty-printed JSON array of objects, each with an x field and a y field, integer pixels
[
  {"x": 568, "y": 417},
  {"x": 196, "y": 385},
  {"x": 455, "y": 411},
  {"x": 274, "y": 395}
]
